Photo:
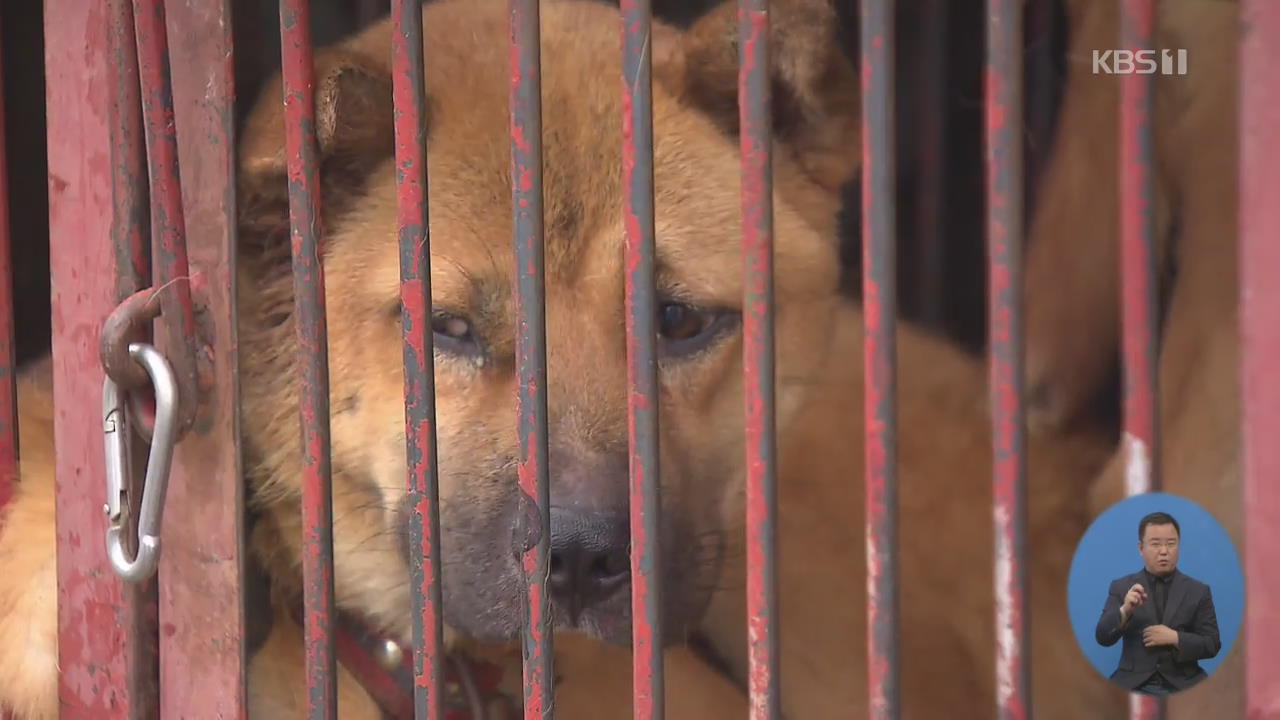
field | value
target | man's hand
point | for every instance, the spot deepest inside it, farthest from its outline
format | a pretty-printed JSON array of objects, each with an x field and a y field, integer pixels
[
  {"x": 1133, "y": 599},
  {"x": 1159, "y": 635}
]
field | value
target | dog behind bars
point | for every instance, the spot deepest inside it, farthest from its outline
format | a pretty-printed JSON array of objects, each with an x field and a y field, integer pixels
[{"x": 948, "y": 634}]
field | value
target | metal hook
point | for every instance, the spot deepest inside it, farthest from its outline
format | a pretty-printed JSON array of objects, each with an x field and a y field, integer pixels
[{"x": 156, "y": 481}]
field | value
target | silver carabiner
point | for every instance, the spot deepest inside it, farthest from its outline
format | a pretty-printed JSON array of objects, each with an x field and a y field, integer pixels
[{"x": 156, "y": 481}]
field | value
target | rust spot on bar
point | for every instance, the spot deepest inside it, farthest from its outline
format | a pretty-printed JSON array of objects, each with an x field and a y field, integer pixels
[
  {"x": 93, "y": 646},
  {"x": 199, "y": 593},
  {"x": 642, "y": 365},
  {"x": 880, "y": 309},
  {"x": 756, "y": 148},
  {"x": 410, "y": 99},
  {"x": 1004, "y": 173},
  {"x": 302, "y": 151},
  {"x": 169, "y": 241},
  {"x": 531, "y": 350}
]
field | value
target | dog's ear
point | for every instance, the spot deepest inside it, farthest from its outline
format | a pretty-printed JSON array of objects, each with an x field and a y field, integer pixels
[
  {"x": 815, "y": 91},
  {"x": 354, "y": 124},
  {"x": 353, "y": 121}
]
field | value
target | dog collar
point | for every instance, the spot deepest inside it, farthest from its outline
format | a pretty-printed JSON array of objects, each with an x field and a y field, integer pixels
[{"x": 385, "y": 670}]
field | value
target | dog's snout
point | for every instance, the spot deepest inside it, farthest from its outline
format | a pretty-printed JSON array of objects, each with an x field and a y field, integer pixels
[{"x": 590, "y": 557}]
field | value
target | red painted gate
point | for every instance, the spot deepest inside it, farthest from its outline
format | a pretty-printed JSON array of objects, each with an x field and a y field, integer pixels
[{"x": 142, "y": 225}]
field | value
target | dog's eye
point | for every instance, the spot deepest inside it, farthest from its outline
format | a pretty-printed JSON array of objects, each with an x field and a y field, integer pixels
[
  {"x": 679, "y": 322},
  {"x": 453, "y": 334},
  {"x": 684, "y": 329}
]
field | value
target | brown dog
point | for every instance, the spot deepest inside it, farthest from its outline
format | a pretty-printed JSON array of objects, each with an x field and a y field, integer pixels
[
  {"x": 947, "y": 620},
  {"x": 1073, "y": 273}
]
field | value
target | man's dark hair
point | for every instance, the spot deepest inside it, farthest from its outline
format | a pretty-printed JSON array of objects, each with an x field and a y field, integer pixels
[{"x": 1157, "y": 518}]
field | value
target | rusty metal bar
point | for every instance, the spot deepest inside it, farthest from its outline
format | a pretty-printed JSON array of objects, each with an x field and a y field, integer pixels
[
  {"x": 755, "y": 108},
  {"x": 202, "y": 612},
  {"x": 1138, "y": 281},
  {"x": 410, "y": 98},
  {"x": 168, "y": 226},
  {"x": 301, "y": 147},
  {"x": 8, "y": 378},
  {"x": 880, "y": 309},
  {"x": 131, "y": 205},
  {"x": 130, "y": 237},
  {"x": 642, "y": 363},
  {"x": 531, "y": 345},
  {"x": 1260, "y": 346},
  {"x": 93, "y": 647},
  {"x": 1004, "y": 166}
]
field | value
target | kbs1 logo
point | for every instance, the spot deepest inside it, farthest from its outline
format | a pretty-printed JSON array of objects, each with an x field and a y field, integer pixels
[{"x": 1139, "y": 62}]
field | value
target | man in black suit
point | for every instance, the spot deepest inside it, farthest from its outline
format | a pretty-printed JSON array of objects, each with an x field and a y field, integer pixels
[{"x": 1166, "y": 618}]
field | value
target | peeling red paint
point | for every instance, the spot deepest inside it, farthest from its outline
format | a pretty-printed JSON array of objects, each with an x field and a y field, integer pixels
[
  {"x": 302, "y": 151},
  {"x": 410, "y": 99},
  {"x": 879, "y": 303},
  {"x": 129, "y": 238},
  {"x": 531, "y": 353},
  {"x": 647, "y": 632},
  {"x": 168, "y": 225},
  {"x": 756, "y": 150},
  {"x": 1004, "y": 175},
  {"x": 1260, "y": 346},
  {"x": 92, "y": 647},
  {"x": 200, "y": 585}
]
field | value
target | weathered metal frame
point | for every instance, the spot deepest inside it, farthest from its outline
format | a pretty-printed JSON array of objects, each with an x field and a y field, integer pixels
[
  {"x": 880, "y": 314},
  {"x": 305, "y": 220},
  {"x": 1259, "y": 153},
  {"x": 1005, "y": 230},
  {"x": 190, "y": 601},
  {"x": 410, "y": 97},
  {"x": 111, "y": 634}
]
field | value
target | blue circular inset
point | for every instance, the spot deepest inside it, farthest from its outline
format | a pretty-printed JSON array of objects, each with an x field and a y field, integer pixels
[{"x": 1109, "y": 551}]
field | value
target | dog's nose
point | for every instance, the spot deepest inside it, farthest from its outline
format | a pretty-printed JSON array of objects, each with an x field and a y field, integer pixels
[{"x": 589, "y": 556}]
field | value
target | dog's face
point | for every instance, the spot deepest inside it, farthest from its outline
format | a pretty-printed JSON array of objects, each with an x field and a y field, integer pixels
[{"x": 485, "y": 522}]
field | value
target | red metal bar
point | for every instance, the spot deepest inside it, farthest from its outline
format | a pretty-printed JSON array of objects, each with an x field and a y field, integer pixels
[
  {"x": 1004, "y": 156},
  {"x": 93, "y": 649},
  {"x": 880, "y": 309},
  {"x": 168, "y": 227},
  {"x": 130, "y": 226},
  {"x": 1137, "y": 283},
  {"x": 1260, "y": 347},
  {"x": 531, "y": 344},
  {"x": 8, "y": 385},
  {"x": 313, "y": 361},
  {"x": 410, "y": 99},
  {"x": 755, "y": 109},
  {"x": 202, "y": 615},
  {"x": 131, "y": 206},
  {"x": 642, "y": 363}
]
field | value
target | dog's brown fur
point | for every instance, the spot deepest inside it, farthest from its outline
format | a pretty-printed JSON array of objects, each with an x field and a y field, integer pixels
[
  {"x": 944, "y": 449},
  {"x": 1073, "y": 276}
]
